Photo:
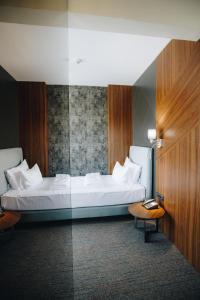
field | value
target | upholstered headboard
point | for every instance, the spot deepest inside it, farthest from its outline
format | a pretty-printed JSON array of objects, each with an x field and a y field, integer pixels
[
  {"x": 143, "y": 157},
  {"x": 8, "y": 158}
]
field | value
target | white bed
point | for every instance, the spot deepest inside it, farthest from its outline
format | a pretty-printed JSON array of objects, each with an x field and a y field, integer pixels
[
  {"x": 106, "y": 197},
  {"x": 51, "y": 194},
  {"x": 104, "y": 192}
]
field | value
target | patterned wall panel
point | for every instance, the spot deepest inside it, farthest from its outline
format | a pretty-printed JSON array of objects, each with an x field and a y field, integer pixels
[
  {"x": 58, "y": 129},
  {"x": 88, "y": 130},
  {"x": 77, "y": 129}
]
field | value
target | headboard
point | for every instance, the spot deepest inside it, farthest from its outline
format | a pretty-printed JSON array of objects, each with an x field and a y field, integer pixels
[
  {"x": 8, "y": 158},
  {"x": 143, "y": 157}
]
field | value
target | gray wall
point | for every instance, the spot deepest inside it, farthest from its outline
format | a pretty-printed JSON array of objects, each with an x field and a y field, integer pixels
[
  {"x": 77, "y": 130},
  {"x": 9, "y": 125},
  {"x": 144, "y": 99},
  {"x": 144, "y": 106}
]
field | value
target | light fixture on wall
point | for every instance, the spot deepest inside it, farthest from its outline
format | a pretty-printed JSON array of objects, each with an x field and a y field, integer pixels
[{"x": 153, "y": 139}]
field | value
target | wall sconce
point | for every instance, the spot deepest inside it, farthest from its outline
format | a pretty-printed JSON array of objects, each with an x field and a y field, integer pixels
[{"x": 153, "y": 139}]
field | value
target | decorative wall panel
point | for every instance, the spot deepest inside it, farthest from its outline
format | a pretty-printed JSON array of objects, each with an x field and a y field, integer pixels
[
  {"x": 120, "y": 123},
  {"x": 33, "y": 123},
  {"x": 178, "y": 162},
  {"x": 88, "y": 130},
  {"x": 58, "y": 135},
  {"x": 77, "y": 130}
]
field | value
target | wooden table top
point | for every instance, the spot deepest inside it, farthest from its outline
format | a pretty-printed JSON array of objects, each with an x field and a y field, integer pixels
[
  {"x": 9, "y": 219},
  {"x": 137, "y": 210}
]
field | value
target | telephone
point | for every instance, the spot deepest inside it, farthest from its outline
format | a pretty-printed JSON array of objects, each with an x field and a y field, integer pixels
[
  {"x": 150, "y": 204},
  {"x": 148, "y": 201}
]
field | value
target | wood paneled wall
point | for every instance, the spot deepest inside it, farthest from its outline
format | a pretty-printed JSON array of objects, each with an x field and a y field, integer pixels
[
  {"x": 33, "y": 121},
  {"x": 120, "y": 123},
  {"x": 178, "y": 162}
]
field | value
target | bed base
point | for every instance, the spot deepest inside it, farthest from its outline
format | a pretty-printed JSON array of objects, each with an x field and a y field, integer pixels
[{"x": 74, "y": 213}]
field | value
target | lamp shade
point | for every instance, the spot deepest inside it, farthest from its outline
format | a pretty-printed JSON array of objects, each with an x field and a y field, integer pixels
[{"x": 151, "y": 134}]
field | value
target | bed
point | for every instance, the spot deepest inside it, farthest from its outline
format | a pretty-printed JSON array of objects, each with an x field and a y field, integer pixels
[{"x": 64, "y": 197}]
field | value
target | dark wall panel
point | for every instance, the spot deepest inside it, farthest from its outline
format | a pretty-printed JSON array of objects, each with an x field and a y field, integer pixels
[
  {"x": 9, "y": 128},
  {"x": 144, "y": 107},
  {"x": 144, "y": 110}
]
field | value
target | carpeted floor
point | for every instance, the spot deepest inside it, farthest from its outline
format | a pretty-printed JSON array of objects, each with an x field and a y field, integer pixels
[
  {"x": 37, "y": 263},
  {"x": 95, "y": 259},
  {"x": 111, "y": 261}
]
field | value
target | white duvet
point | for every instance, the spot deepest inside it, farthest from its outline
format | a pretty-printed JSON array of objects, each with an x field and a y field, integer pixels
[{"x": 64, "y": 191}]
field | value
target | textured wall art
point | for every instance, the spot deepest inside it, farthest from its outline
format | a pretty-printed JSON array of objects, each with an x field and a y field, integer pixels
[
  {"x": 58, "y": 129},
  {"x": 77, "y": 130},
  {"x": 88, "y": 130}
]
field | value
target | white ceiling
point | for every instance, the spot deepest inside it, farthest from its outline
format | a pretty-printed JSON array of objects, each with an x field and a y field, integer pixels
[
  {"x": 110, "y": 58},
  {"x": 42, "y": 40},
  {"x": 34, "y": 53},
  {"x": 41, "y": 53},
  {"x": 166, "y": 18},
  {"x": 121, "y": 25}
]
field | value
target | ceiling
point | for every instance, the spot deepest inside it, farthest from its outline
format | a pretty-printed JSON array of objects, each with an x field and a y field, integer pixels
[
  {"x": 113, "y": 44},
  {"x": 34, "y": 53},
  {"x": 110, "y": 58},
  {"x": 40, "y": 53}
]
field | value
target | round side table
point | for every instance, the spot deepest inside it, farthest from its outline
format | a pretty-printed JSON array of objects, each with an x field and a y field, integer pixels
[
  {"x": 9, "y": 219},
  {"x": 140, "y": 212}
]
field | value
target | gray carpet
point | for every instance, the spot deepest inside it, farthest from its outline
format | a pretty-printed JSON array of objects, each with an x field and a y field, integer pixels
[
  {"x": 37, "y": 263},
  {"x": 111, "y": 261},
  {"x": 108, "y": 260}
]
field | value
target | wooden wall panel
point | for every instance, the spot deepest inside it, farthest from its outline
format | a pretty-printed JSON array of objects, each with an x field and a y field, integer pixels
[
  {"x": 178, "y": 162},
  {"x": 33, "y": 121},
  {"x": 120, "y": 123},
  {"x": 171, "y": 63}
]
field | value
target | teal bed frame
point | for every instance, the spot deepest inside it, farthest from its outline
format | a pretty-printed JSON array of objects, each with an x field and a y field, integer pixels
[{"x": 74, "y": 213}]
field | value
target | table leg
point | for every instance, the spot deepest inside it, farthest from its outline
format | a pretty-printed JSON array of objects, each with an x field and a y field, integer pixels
[
  {"x": 146, "y": 233},
  {"x": 157, "y": 225},
  {"x": 135, "y": 222}
]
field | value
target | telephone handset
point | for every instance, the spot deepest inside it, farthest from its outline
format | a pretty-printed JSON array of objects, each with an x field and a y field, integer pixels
[
  {"x": 150, "y": 204},
  {"x": 148, "y": 201}
]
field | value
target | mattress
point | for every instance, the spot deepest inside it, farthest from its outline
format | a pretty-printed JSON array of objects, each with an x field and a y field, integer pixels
[
  {"x": 52, "y": 193},
  {"x": 104, "y": 192},
  {"x": 70, "y": 192}
]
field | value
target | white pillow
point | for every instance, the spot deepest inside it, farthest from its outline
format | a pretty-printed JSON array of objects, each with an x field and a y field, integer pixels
[
  {"x": 120, "y": 173},
  {"x": 30, "y": 177},
  {"x": 13, "y": 175},
  {"x": 135, "y": 170},
  {"x": 127, "y": 160},
  {"x": 92, "y": 178}
]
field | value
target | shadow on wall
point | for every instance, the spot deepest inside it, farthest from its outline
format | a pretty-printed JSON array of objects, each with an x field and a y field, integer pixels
[
  {"x": 144, "y": 110},
  {"x": 9, "y": 111}
]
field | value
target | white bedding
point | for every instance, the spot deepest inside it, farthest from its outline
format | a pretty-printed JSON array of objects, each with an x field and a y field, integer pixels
[
  {"x": 50, "y": 194},
  {"x": 105, "y": 192},
  {"x": 65, "y": 192}
]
